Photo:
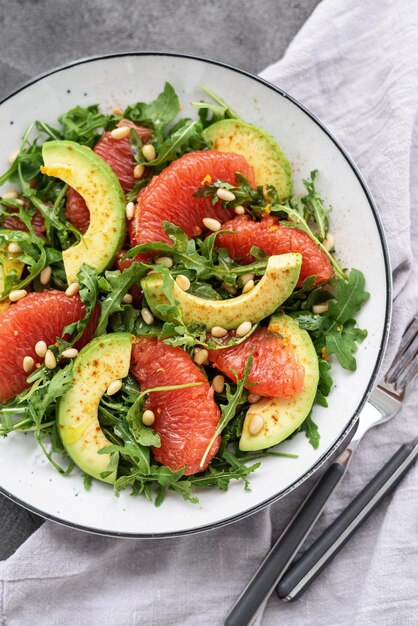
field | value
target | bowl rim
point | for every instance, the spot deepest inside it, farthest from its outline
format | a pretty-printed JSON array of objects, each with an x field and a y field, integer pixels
[{"x": 352, "y": 424}]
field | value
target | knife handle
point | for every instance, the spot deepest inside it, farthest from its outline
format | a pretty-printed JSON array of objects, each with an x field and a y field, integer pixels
[
  {"x": 277, "y": 560},
  {"x": 306, "y": 569}
]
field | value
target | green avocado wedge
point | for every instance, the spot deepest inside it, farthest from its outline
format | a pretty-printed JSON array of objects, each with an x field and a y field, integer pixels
[
  {"x": 282, "y": 416},
  {"x": 102, "y": 361},
  {"x": 94, "y": 180},
  {"x": 260, "y": 150},
  {"x": 269, "y": 293}
]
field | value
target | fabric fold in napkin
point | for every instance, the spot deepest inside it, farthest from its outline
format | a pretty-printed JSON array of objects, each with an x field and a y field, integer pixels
[{"x": 355, "y": 65}]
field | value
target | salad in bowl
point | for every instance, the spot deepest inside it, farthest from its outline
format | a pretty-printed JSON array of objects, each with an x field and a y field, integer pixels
[{"x": 170, "y": 309}]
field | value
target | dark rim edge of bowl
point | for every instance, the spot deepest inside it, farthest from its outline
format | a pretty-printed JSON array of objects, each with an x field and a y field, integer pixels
[{"x": 383, "y": 343}]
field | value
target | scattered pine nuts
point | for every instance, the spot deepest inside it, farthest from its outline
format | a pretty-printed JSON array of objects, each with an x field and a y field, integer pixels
[
  {"x": 70, "y": 353},
  {"x": 14, "y": 248},
  {"x": 218, "y": 331},
  {"x": 148, "y": 417},
  {"x": 45, "y": 275},
  {"x": 13, "y": 156},
  {"x": 164, "y": 260},
  {"x": 253, "y": 397},
  {"x": 225, "y": 195},
  {"x": 139, "y": 170},
  {"x": 50, "y": 360},
  {"x": 17, "y": 294},
  {"x": 120, "y": 133},
  {"x": 248, "y": 286},
  {"x": 239, "y": 210},
  {"x": 328, "y": 242},
  {"x": 200, "y": 356},
  {"x": 114, "y": 387},
  {"x": 218, "y": 383},
  {"x": 130, "y": 210},
  {"x": 245, "y": 278},
  {"x": 256, "y": 424},
  {"x": 183, "y": 282},
  {"x": 212, "y": 224},
  {"x": 10, "y": 195},
  {"x": 72, "y": 289},
  {"x": 229, "y": 288},
  {"x": 41, "y": 349},
  {"x": 147, "y": 316},
  {"x": 320, "y": 308},
  {"x": 28, "y": 364},
  {"x": 243, "y": 329},
  {"x": 148, "y": 152},
  {"x": 127, "y": 298}
]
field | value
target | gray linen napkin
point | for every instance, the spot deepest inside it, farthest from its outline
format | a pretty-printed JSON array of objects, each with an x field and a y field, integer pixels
[{"x": 356, "y": 66}]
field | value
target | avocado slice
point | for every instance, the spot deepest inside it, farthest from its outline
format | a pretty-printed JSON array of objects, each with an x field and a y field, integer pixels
[
  {"x": 277, "y": 284},
  {"x": 92, "y": 177},
  {"x": 7, "y": 265},
  {"x": 270, "y": 165},
  {"x": 282, "y": 416},
  {"x": 100, "y": 362}
]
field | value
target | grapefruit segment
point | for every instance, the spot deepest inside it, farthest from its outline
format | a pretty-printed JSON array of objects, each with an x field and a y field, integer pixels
[
  {"x": 169, "y": 196},
  {"x": 118, "y": 154},
  {"x": 275, "y": 370},
  {"x": 38, "y": 316},
  {"x": 273, "y": 238},
  {"x": 185, "y": 419}
]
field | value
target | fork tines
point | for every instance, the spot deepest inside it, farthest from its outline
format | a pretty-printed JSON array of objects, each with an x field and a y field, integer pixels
[{"x": 405, "y": 364}]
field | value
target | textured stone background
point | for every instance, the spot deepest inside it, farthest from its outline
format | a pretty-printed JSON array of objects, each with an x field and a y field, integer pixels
[{"x": 37, "y": 35}]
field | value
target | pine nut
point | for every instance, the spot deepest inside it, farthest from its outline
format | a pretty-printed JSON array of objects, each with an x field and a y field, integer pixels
[
  {"x": 328, "y": 242},
  {"x": 183, "y": 282},
  {"x": 114, "y": 387},
  {"x": 28, "y": 364},
  {"x": 229, "y": 288},
  {"x": 41, "y": 349},
  {"x": 164, "y": 260},
  {"x": 218, "y": 331},
  {"x": 148, "y": 152},
  {"x": 200, "y": 356},
  {"x": 13, "y": 156},
  {"x": 17, "y": 294},
  {"x": 72, "y": 289},
  {"x": 239, "y": 210},
  {"x": 248, "y": 286},
  {"x": 245, "y": 278},
  {"x": 212, "y": 224},
  {"x": 148, "y": 417},
  {"x": 120, "y": 133},
  {"x": 70, "y": 353},
  {"x": 256, "y": 424},
  {"x": 253, "y": 397},
  {"x": 10, "y": 195},
  {"x": 14, "y": 248},
  {"x": 127, "y": 298},
  {"x": 147, "y": 316},
  {"x": 50, "y": 360},
  {"x": 130, "y": 210},
  {"x": 45, "y": 275},
  {"x": 218, "y": 383},
  {"x": 139, "y": 170},
  {"x": 225, "y": 195},
  {"x": 320, "y": 308},
  {"x": 243, "y": 329}
]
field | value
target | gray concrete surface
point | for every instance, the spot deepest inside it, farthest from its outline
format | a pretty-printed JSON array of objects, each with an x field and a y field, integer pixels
[{"x": 36, "y": 35}]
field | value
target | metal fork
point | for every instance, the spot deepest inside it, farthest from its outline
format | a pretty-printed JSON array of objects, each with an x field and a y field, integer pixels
[{"x": 384, "y": 402}]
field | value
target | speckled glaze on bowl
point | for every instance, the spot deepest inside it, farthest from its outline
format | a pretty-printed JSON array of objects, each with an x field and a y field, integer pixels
[{"x": 25, "y": 475}]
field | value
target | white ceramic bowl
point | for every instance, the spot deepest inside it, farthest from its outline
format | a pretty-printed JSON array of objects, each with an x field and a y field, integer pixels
[{"x": 25, "y": 476}]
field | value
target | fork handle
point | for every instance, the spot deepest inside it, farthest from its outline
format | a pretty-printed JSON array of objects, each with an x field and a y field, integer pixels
[
  {"x": 275, "y": 563},
  {"x": 306, "y": 569}
]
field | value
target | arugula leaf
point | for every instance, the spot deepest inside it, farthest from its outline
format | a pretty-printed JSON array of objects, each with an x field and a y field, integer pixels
[
  {"x": 184, "y": 137},
  {"x": 315, "y": 206},
  {"x": 310, "y": 429},
  {"x": 341, "y": 341},
  {"x": 81, "y": 123},
  {"x": 158, "y": 113},
  {"x": 324, "y": 383},
  {"x": 210, "y": 113},
  {"x": 349, "y": 297}
]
